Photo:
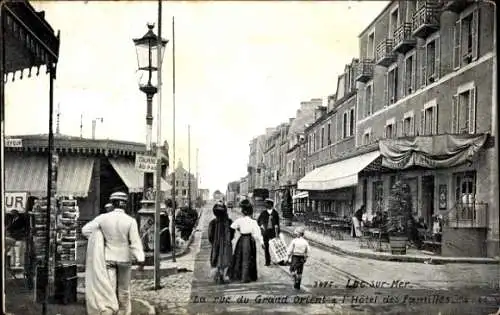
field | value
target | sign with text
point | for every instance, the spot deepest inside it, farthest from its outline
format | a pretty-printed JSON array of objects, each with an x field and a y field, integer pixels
[
  {"x": 16, "y": 201},
  {"x": 145, "y": 163},
  {"x": 13, "y": 143}
]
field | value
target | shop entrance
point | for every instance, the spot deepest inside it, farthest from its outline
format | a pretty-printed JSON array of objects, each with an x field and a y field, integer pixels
[{"x": 428, "y": 198}]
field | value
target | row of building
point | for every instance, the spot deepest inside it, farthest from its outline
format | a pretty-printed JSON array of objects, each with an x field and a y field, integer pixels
[{"x": 417, "y": 104}]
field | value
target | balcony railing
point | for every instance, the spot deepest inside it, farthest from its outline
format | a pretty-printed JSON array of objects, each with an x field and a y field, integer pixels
[
  {"x": 426, "y": 19},
  {"x": 364, "y": 71},
  {"x": 468, "y": 215},
  {"x": 456, "y": 6},
  {"x": 403, "y": 39},
  {"x": 384, "y": 53}
]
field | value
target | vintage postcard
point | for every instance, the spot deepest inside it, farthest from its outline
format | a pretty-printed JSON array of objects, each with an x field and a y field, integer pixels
[{"x": 249, "y": 157}]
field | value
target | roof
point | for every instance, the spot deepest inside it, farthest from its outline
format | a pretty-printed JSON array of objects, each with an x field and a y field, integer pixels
[
  {"x": 369, "y": 26},
  {"x": 77, "y": 144}
]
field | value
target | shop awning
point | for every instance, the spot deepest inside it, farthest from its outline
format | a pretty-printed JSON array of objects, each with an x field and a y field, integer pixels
[
  {"x": 300, "y": 195},
  {"x": 439, "y": 151},
  {"x": 337, "y": 175},
  {"x": 29, "y": 174},
  {"x": 133, "y": 178}
]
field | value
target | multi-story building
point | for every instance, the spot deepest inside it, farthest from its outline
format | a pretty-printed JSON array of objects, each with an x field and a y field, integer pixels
[
  {"x": 270, "y": 160},
  {"x": 243, "y": 186},
  {"x": 184, "y": 182},
  {"x": 295, "y": 157},
  {"x": 256, "y": 163},
  {"x": 232, "y": 191},
  {"x": 331, "y": 138},
  {"x": 424, "y": 83},
  {"x": 204, "y": 194}
]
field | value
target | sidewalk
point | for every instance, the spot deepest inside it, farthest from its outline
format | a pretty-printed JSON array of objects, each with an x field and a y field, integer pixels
[{"x": 351, "y": 247}]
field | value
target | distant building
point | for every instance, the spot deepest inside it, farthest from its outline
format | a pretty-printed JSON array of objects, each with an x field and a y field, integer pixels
[
  {"x": 204, "y": 193},
  {"x": 182, "y": 181}
]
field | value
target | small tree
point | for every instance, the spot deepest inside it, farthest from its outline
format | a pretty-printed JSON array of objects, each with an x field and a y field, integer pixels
[{"x": 400, "y": 209}]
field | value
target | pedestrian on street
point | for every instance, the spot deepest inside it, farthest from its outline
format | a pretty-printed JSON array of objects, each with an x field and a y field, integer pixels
[
  {"x": 113, "y": 240},
  {"x": 269, "y": 222},
  {"x": 220, "y": 235},
  {"x": 298, "y": 251},
  {"x": 244, "y": 263}
]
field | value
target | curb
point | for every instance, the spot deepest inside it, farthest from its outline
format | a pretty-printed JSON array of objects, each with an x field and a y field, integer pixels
[{"x": 404, "y": 258}]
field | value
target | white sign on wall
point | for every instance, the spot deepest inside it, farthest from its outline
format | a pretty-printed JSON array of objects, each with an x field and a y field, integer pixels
[
  {"x": 16, "y": 201},
  {"x": 13, "y": 143},
  {"x": 145, "y": 163}
]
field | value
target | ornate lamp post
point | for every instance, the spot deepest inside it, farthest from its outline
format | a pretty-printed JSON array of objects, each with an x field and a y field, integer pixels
[{"x": 149, "y": 60}]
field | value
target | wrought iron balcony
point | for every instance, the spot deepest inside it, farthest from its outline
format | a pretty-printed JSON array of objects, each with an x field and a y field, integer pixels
[
  {"x": 364, "y": 71},
  {"x": 384, "y": 55},
  {"x": 403, "y": 39},
  {"x": 456, "y": 6},
  {"x": 467, "y": 215},
  {"x": 426, "y": 19}
]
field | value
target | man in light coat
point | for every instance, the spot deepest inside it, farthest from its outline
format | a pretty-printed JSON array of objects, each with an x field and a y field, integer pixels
[{"x": 121, "y": 243}]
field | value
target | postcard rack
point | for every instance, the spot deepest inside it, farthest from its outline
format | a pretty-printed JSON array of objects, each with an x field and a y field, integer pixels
[{"x": 67, "y": 223}]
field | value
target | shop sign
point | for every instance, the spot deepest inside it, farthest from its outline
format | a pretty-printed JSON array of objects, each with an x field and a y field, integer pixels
[
  {"x": 13, "y": 143},
  {"x": 16, "y": 201},
  {"x": 145, "y": 163}
]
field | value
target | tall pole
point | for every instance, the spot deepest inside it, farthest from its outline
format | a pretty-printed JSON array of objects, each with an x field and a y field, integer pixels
[
  {"x": 189, "y": 166},
  {"x": 50, "y": 154},
  {"x": 158, "y": 158},
  {"x": 197, "y": 187},
  {"x": 2, "y": 144},
  {"x": 174, "y": 195}
]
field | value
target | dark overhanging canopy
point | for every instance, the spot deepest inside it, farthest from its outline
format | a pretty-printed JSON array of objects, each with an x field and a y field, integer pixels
[{"x": 27, "y": 41}]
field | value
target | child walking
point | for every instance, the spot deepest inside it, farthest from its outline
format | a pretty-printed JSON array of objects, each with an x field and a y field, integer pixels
[{"x": 298, "y": 251}]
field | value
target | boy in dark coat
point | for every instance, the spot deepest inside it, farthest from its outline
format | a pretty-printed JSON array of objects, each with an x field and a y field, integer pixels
[{"x": 269, "y": 222}]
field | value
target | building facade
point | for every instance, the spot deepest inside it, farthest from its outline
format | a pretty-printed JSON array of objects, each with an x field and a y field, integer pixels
[
  {"x": 426, "y": 75},
  {"x": 295, "y": 154},
  {"x": 184, "y": 182},
  {"x": 329, "y": 139},
  {"x": 409, "y": 109}
]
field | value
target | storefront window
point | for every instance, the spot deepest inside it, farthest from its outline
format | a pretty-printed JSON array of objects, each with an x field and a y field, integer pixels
[{"x": 465, "y": 190}]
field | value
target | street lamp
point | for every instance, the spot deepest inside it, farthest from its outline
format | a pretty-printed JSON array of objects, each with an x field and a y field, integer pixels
[{"x": 150, "y": 49}]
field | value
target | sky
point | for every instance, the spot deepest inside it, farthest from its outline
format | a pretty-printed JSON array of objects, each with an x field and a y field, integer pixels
[{"x": 240, "y": 67}]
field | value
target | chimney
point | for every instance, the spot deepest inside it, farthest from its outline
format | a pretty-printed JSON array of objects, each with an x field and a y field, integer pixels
[{"x": 319, "y": 112}]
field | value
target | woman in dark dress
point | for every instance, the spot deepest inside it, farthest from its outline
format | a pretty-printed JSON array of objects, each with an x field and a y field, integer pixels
[
  {"x": 244, "y": 265},
  {"x": 220, "y": 235}
]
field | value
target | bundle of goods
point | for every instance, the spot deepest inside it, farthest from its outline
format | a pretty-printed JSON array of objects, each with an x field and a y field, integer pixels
[
  {"x": 66, "y": 226},
  {"x": 40, "y": 228}
]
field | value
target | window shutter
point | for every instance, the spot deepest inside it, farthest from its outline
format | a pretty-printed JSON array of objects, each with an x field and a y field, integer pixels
[
  {"x": 397, "y": 129},
  {"x": 454, "y": 114},
  {"x": 437, "y": 59},
  {"x": 475, "y": 34},
  {"x": 386, "y": 90},
  {"x": 435, "y": 120},
  {"x": 414, "y": 73},
  {"x": 472, "y": 110},
  {"x": 422, "y": 122},
  {"x": 412, "y": 126},
  {"x": 456, "y": 45},
  {"x": 423, "y": 65}
]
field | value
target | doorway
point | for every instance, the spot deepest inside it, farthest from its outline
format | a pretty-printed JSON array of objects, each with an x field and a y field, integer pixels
[{"x": 428, "y": 198}]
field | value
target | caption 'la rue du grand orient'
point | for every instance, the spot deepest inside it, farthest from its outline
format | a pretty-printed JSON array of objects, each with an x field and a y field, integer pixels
[{"x": 354, "y": 284}]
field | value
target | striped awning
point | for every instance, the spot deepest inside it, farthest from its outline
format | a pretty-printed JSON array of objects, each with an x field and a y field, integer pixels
[
  {"x": 29, "y": 174},
  {"x": 133, "y": 178}
]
